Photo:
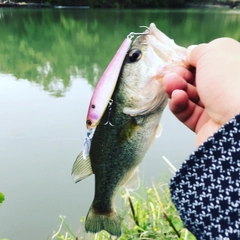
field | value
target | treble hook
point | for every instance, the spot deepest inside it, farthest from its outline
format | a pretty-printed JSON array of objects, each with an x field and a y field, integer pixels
[
  {"x": 109, "y": 113},
  {"x": 132, "y": 34}
]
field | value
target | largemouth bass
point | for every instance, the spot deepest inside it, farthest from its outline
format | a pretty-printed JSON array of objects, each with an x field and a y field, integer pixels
[{"x": 128, "y": 126}]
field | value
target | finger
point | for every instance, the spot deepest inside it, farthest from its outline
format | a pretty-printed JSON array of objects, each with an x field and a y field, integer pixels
[
  {"x": 186, "y": 74},
  {"x": 178, "y": 103},
  {"x": 172, "y": 81},
  {"x": 195, "y": 53},
  {"x": 186, "y": 111}
]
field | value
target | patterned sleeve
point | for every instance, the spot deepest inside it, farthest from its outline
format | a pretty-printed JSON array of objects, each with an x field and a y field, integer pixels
[{"x": 206, "y": 189}]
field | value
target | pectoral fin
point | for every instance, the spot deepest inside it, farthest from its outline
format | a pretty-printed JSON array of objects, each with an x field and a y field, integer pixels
[
  {"x": 157, "y": 133},
  {"x": 159, "y": 130},
  {"x": 133, "y": 183},
  {"x": 81, "y": 168},
  {"x": 128, "y": 130}
]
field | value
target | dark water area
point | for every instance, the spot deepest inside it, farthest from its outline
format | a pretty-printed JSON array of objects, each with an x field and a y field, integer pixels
[{"x": 50, "y": 61}]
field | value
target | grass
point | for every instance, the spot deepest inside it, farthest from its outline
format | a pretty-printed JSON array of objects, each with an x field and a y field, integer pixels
[
  {"x": 2, "y": 198},
  {"x": 154, "y": 217}
]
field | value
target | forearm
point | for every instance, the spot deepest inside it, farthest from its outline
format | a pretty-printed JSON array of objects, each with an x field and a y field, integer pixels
[{"x": 206, "y": 189}]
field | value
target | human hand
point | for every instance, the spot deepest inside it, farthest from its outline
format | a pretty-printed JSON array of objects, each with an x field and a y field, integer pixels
[{"x": 206, "y": 98}]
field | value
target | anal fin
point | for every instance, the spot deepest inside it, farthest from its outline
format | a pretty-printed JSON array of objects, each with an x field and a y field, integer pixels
[{"x": 133, "y": 182}]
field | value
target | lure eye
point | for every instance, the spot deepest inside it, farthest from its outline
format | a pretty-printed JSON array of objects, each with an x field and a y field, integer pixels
[
  {"x": 89, "y": 123},
  {"x": 134, "y": 55}
]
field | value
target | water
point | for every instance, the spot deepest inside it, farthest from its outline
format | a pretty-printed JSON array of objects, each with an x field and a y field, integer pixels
[{"x": 50, "y": 61}]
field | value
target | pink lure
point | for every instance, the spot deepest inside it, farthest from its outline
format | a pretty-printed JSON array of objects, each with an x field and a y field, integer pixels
[{"x": 106, "y": 86}]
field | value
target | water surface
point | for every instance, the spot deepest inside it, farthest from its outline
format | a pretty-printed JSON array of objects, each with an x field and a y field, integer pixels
[{"x": 50, "y": 61}]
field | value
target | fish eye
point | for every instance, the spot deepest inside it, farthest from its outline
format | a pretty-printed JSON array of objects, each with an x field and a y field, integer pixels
[{"x": 134, "y": 55}]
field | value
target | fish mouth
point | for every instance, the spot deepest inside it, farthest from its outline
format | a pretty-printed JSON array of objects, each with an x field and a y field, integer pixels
[
  {"x": 165, "y": 47},
  {"x": 160, "y": 51}
]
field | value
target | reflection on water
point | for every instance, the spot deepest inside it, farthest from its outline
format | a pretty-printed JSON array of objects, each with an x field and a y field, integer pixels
[
  {"x": 49, "y": 46},
  {"x": 49, "y": 62}
]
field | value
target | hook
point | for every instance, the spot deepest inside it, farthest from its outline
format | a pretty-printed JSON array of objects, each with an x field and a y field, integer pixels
[
  {"x": 109, "y": 113},
  {"x": 132, "y": 34}
]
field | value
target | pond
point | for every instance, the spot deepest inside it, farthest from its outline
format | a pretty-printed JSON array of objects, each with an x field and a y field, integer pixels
[{"x": 50, "y": 61}]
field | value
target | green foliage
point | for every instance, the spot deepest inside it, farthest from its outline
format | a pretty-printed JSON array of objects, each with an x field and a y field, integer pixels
[
  {"x": 114, "y": 4},
  {"x": 156, "y": 215},
  {"x": 128, "y": 3},
  {"x": 156, "y": 218},
  {"x": 2, "y": 198},
  {"x": 68, "y": 235}
]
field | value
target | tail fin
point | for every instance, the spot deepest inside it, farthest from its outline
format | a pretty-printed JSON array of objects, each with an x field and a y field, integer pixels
[{"x": 97, "y": 222}]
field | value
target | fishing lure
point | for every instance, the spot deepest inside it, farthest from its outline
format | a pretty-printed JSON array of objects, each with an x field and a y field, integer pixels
[
  {"x": 106, "y": 85},
  {"x": 87, "y": 143}
]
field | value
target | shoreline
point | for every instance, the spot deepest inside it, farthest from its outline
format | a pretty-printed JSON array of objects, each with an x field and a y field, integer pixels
[
  {"x": 7, "y": 4},
  {"x": 10, "y": 4}
]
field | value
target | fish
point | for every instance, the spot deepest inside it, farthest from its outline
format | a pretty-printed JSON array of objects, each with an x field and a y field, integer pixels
[{"x": 127, "y": 127}]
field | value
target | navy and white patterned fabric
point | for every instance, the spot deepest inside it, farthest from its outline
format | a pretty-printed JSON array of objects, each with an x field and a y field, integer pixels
[{"x": 206, "y": 189}]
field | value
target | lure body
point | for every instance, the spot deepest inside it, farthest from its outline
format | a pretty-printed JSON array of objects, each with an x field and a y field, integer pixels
[{"x": 106, "y": 86}]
